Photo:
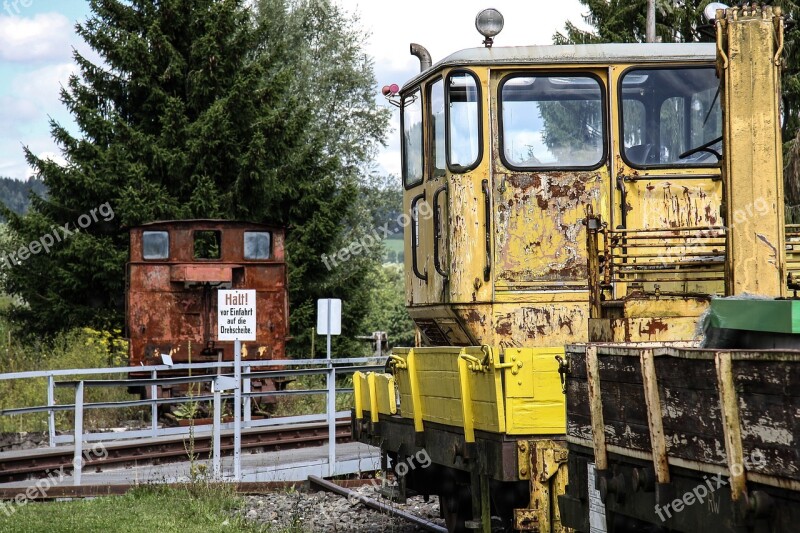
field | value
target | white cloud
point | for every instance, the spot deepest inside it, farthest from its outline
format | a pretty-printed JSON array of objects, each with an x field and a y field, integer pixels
[
  {"x": 43, "y": 37},
  {"x": 42, "y": 86},
  {"x": 24, "y": 112}
]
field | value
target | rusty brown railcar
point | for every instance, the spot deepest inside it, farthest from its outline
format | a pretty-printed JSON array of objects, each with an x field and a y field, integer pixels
[{"x": 174, "y": 271}]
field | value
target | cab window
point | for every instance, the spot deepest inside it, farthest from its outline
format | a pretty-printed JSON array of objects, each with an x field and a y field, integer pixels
[
  {"x": 256, "y": 245},
  {"x": 552, "y": 122},
  {"x": 437, "y": 121},
  {"x": 207, "y": 244},
  {"x": 155, "y": 245},
  {"x": 412, "y": 139},
  {"x": 671, "y": 117},
  {"x": 463, "y": 121}
]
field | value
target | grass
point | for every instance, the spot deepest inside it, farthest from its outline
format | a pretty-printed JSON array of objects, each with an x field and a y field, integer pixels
[
  {"x": 197, "y": 508},
  {"x": 310, "y": 404},
  {"x": 393, "y": 250}
]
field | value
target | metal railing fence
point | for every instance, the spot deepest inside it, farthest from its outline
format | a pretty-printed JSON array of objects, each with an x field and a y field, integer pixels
[{"x": 234, "y": 376}]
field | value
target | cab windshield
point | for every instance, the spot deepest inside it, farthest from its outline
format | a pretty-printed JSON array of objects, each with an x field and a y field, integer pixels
[
  {"x": 671, "y": 117},
  {"x": 552, "y": 121}
]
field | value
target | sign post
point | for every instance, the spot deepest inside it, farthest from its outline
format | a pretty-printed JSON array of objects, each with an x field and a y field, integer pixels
[
  {"x": 236, "y": 321},
  {"x": 329, "y": 322}
]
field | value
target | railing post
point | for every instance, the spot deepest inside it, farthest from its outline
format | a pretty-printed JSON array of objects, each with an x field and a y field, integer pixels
[
  {"x": 237, "y": 411},
  {"x": 215, "y": 463},
  {"x": 153, "y": 404},
  {"x": 248, "y": 414},
  {"x": 77, "y": 460},
  {"x": 331, "y": 415},
  {"x": 51, "y": 414},
  {"x": 593, "y": 226}
]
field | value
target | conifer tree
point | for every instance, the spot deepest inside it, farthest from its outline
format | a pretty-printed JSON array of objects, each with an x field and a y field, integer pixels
[{"x": 198, "y": 109}]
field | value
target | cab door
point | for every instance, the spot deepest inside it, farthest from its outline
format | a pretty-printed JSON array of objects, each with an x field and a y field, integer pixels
[
  {"x": 552, "y": 144},
  {"x": 423, "y": 180}
]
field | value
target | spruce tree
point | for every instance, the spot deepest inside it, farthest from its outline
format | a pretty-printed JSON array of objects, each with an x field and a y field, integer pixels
[{"x": 199, "y": 109}]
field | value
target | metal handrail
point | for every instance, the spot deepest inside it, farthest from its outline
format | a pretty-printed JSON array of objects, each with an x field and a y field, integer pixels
[
  {"x": 631, "y": 255},
  {"x": 329, "y": 367}
]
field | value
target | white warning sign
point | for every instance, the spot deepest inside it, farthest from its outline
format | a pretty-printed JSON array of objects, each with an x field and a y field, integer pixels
[{"x": 236, "y": 315}]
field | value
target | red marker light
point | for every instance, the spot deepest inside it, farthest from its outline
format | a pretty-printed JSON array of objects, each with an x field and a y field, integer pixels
[{"x": 390, "y": 90}]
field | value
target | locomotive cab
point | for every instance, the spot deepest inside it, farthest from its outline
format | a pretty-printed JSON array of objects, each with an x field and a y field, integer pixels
[
  {"x": 514, "y": 160},
  {"x": 506, "y": 150},
  {"x": 173, "y": 275}
]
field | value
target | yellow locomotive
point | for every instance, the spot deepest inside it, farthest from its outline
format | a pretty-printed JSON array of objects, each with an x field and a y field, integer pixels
[{"x": 562, "y": 195}]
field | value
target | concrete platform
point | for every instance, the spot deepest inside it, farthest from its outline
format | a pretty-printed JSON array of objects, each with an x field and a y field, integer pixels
[{"x": 287, "y": 465}]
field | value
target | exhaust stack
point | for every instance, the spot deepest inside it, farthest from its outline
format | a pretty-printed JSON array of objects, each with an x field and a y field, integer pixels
[{"x": 423, "y": 55}]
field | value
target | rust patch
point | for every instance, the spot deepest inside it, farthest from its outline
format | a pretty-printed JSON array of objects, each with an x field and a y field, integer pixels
[
  {"x": 542, "y": 203},
  {"x": 628, "y": 207},
  {"x": 539, "y": 235},
  {"x": 565, "y": 322},
  {"x": 474, "y": 317},
  {"x": 504, "y": 326},
  {"x": 653, "y": 328}
]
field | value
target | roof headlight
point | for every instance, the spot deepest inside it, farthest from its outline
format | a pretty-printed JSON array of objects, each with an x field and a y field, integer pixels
[
  {"x": 489, "y": 23},
  {"x": 710, "y": 11}
]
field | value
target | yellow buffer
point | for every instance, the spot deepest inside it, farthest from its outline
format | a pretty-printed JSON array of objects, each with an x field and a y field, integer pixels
[
  {"x": 374, "y": 392},
  {"x": 514, "y": 391}
]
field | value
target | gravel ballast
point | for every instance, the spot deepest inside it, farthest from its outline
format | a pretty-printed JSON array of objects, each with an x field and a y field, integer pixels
[{"x": 327, "y": 512}]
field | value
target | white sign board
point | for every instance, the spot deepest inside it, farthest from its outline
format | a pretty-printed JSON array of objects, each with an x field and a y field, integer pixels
[
  {"x": 329, "y": 311},
  {"x": 236, "y": 315},
  {"x": 597, "y": 509}
]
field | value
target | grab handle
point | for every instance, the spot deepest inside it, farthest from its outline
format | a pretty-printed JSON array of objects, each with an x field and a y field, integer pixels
[{"x": 414, "y": 236}]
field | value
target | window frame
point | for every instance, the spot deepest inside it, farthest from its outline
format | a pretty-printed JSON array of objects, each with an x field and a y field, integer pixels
[
  {"x": 553, "y": 74},
  {"x": 244, "y": 245},
  {"x": 169, "y": 244},
  {"x": 431, "y": 136},
  {"x": 403, "y": 162},
  {"x": 459, "y": 169},
  {"x": 621, "y": 117},
  {"x": 194, "y": 241}
]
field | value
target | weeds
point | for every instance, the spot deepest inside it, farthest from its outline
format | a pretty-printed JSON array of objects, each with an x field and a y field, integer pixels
[
  {"x": 309, "y": 404},
  {"x": 82, "y": 348}
]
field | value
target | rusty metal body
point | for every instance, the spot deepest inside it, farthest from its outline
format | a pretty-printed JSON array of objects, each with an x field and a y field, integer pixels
[
  {"x": 171, "y": 303},
  {"x": 496, "y": 256}
]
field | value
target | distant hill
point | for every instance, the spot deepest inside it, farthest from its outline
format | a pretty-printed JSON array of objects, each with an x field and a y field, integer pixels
[{"x": 15, "y": 193}]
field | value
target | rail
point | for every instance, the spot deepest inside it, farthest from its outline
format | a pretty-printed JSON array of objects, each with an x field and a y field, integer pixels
[
  {"x": 234, "y": 376},
  {"x": 659, "y": 255},
  {"x": 680, "y": 259},
  {"x": 793, "y": 256}
]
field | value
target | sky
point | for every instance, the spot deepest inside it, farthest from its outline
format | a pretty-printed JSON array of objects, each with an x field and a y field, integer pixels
[{"x": 37, "y": 38}]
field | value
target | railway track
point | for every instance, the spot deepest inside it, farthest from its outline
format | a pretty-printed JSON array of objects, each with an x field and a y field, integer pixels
[
  {"x": 353, "y": 496},
  {"x": 21, "y": 465}
]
